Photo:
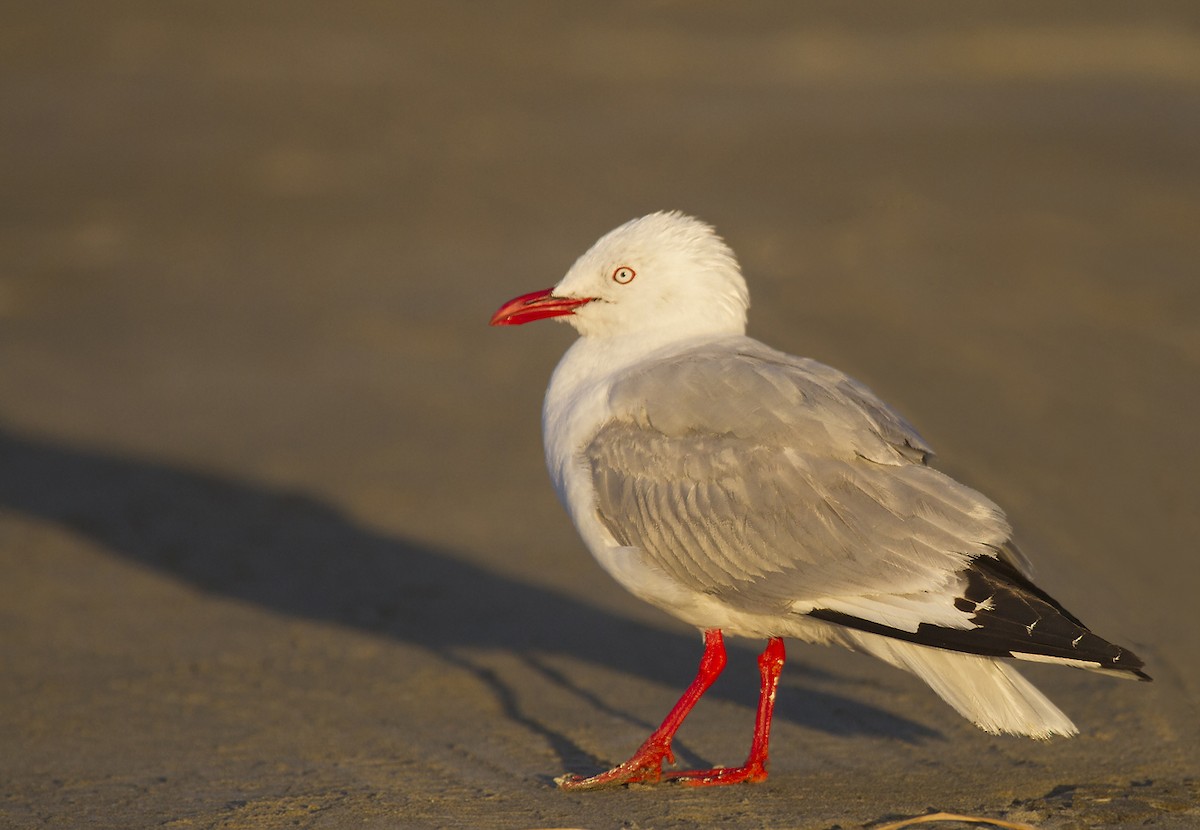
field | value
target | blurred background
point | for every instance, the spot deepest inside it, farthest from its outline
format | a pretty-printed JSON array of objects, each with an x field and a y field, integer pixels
[{"x": 277, "y": 541}]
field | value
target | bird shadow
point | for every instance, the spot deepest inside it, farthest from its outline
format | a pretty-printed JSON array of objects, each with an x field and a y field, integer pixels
[{"x": 299, "y": 556}]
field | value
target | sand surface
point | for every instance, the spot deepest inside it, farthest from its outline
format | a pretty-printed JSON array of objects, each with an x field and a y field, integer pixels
[{"x": 277, "y": 547}]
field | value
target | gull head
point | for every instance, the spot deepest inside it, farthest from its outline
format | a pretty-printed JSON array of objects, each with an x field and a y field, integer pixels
[{"x": 666, "y": 273}]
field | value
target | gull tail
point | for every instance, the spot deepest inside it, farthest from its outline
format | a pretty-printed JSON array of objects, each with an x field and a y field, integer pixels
[{"x": 984, "y": 690}]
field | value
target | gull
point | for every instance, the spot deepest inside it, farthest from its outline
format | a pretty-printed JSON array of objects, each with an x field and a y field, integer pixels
[{"x": 756, "y": 494}]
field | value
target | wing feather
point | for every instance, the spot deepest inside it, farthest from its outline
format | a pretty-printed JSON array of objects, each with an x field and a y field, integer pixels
[
  {"x": 779, "y": 486},
  {"x": 774, "y": 482}
]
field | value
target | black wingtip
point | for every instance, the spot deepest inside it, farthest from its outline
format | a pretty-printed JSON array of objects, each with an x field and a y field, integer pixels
[{"x": 1010, "y": 617}]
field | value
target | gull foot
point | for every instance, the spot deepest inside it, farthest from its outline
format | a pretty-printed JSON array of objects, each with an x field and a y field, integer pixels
[
  {"x": 748, "y": 774},
  {"x": 645, "y": 767}
]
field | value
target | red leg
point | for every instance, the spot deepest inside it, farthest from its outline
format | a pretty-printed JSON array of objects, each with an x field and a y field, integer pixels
[
  {"x": 770, "y": 664},
  {"x": 646, "y": 764}
]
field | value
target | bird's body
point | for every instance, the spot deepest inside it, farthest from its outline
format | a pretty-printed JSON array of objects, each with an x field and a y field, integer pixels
[{"x": 748, "y": 491}]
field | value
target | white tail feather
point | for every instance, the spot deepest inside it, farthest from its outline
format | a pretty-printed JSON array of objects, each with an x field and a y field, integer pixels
[{"x": 984, "y": 690}]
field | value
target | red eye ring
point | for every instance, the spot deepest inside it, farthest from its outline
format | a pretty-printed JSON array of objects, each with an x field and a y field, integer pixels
[{"x": 624, "y": 275}]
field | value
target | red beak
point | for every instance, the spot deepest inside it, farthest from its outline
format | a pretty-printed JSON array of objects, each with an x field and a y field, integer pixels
[{"x": 535, "y": 306}]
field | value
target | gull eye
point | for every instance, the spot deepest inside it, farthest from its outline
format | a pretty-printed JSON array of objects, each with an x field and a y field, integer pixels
[{"x": 624, "y": 275}]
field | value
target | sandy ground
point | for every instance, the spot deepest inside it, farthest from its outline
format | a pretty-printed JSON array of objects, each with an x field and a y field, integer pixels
[{"x": 276, "y": 543}]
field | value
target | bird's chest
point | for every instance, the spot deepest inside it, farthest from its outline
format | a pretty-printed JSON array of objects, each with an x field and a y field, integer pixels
[{"x": 569, "y": 421}]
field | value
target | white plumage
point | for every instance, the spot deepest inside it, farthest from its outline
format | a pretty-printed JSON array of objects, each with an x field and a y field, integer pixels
[{"x": 748, "y": 491}]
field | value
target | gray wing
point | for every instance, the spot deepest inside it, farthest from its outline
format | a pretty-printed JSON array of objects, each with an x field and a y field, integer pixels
[{"x": 772, "y": 482}]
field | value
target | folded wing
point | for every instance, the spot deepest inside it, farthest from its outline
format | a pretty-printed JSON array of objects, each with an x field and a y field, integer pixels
[{"x": 780, "y": 485}]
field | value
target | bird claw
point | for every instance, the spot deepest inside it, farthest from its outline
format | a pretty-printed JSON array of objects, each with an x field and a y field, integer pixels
[
  {"x": 645, "y": 767},
  {"x": 615, "y": 777}
]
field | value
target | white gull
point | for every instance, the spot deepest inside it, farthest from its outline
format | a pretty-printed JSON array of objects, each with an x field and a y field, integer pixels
[{"x": 757, "y": 494}]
